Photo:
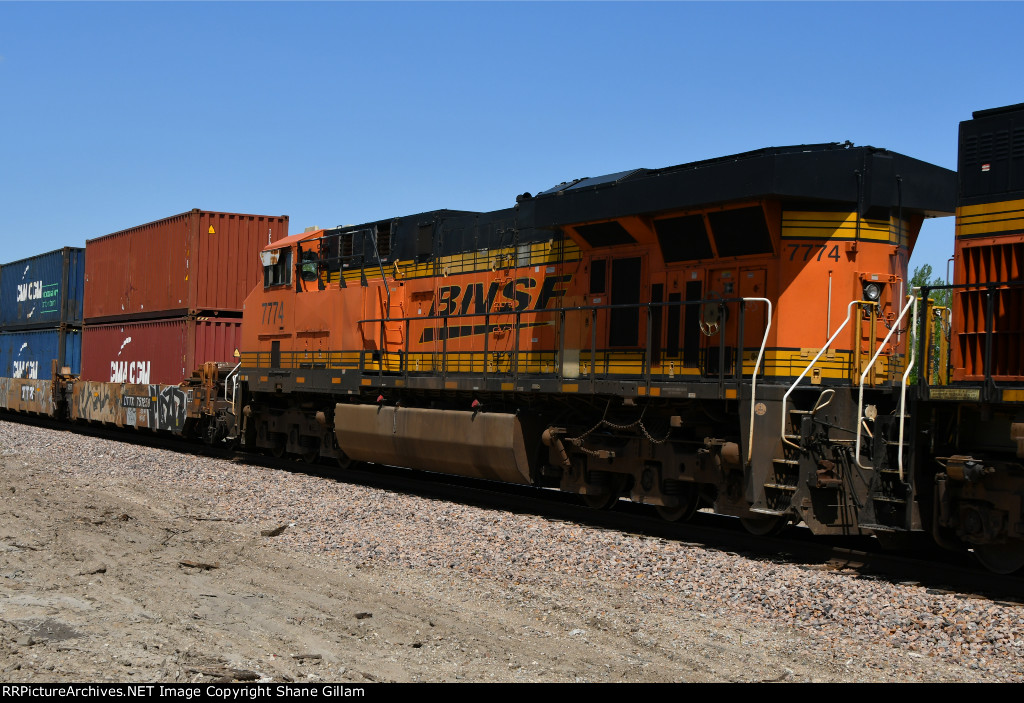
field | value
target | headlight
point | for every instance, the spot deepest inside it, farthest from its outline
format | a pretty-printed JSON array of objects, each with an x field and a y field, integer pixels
[{"x": 872, "y": 291}]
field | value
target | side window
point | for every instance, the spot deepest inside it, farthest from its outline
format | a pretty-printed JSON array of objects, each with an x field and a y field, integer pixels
[
  {"x": 277, "y": 267},
  {"x": 598, "y": 272},
  {"x": 310, "y": 266}
]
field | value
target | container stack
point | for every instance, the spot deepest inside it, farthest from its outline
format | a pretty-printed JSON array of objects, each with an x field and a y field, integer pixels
[
  {"x": 165, "y": 297},
  {"x": 41, "y": 314}
]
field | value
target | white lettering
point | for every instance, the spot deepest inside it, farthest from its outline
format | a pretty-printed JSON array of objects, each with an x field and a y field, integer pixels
[
  {"x": 130, "y": 371},
  {"x": 26, "y": 369},
  {"x": 30, "y": 291}
]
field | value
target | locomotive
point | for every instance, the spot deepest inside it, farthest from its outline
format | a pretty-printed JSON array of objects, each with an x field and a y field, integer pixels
[
  {"x": 715, "y": 333},
  {"x": 737, "y": 334}
]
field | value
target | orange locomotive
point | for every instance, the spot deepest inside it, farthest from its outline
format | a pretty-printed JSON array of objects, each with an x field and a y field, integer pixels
[
  {"x": 720, "y": 333},
  {"x": 969, "y": 422}
]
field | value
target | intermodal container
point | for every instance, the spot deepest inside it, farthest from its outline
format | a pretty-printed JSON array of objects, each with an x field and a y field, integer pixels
[
  {"x": 43, "y": 291},
  {"x": 157, "y": 351},
  {"x": 188, "y": 264},
  {"x": 30, "y": 353}
]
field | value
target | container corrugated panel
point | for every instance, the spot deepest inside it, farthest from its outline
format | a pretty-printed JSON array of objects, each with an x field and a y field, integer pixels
[
  {"x": 183, "y": 265},
  {"x": 30, "y": 353},
  {"x": 157, "y": 351},
  {"x": 43, "y": 291}
]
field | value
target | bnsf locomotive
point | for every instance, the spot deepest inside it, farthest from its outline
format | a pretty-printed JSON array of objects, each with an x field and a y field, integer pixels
[{"x": 737, "y": 333}]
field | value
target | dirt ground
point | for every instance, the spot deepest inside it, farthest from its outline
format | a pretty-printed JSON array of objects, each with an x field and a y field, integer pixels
[{"x": 108, "y": 582}]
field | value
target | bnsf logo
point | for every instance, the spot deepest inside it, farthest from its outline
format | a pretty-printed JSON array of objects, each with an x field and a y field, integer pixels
[
  {"x": 30, "y": 291},
  {"x": 516, "y": 295},
  {"x": 129, "y": 371}
]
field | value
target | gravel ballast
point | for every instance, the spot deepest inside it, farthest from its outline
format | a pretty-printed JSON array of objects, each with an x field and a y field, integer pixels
[{"x": 673, "y": 596}]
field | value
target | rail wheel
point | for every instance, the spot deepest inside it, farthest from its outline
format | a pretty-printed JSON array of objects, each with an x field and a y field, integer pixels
[
  {"x": 688, "y": 502},
  {"x": 310, "y": 456},
  {"x": 606, "y": 494},
  {"x": 600, "y": 501},
  {"x": 277, "y": 451},
  {"x": 344, "y": 462},
  {"x": 894, "y": 541},
  {"x": 1004, "y": 558},
  {"x": 765, "y": 526}
]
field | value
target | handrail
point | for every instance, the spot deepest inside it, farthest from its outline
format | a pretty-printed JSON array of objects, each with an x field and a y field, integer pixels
[
  {"x": 906, "y": 375},
  {"x": 867, "y": 369},
  {"x": 753, "y": 375},
  {"x": 785, "y": 398},
  {"x": 233, "y": 385}
]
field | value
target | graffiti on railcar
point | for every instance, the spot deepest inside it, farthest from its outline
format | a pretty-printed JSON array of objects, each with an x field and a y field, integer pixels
[
  {"x": 131, "y": 405},
  {"x": 26, "y": 396},
  {"x": 172, "y": 407}
]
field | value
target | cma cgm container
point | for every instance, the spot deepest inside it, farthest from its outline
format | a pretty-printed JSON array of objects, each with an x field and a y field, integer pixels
[
  {"x": 184, "y": 265},
  {"x": 43, "y": 290},
  {"x": 30, "y": 353},
  {"x": 157, "y": 351}
]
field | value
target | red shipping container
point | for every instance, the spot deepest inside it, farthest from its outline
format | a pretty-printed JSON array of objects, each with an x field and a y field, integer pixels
[
  {"x": 157, "y": 351},
  {"x": 188, "y": 264}
]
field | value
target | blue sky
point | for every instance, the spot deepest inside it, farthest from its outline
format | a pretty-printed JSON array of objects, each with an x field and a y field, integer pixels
[{"x": 115, "y": 114}]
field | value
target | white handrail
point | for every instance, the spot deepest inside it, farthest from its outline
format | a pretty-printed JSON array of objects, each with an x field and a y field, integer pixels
[
  {"x": 785, "y": 398},
  {"x": 906, "y": 375},
  {"x": 231, "y": 384},
  {"x": 757, "y": 365},
  {"x": 867, "y": 370}
]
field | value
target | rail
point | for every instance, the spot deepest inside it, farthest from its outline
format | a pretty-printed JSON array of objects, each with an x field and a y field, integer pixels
[
  {"x": 561, "y": 343},
  {"x": 785, "y": 397},
  {"x": 753, "y": 374},
  {"x": 231, "y": 384},
  {"x": 912, "y": 302},
  {"x": 903, "y": 385},
  {"x": 502, "y": 354}
]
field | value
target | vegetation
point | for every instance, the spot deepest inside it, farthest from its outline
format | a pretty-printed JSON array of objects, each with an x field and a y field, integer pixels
[{"x": 921, "y": 277}]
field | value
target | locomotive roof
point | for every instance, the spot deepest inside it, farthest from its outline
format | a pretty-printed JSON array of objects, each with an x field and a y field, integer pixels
[
  {"x": 292, "y": 239},
  {"x": 834, "y": 172}
]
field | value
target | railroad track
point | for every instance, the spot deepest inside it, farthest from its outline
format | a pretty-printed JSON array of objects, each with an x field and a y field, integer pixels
[{"x": 928, "y": 566}]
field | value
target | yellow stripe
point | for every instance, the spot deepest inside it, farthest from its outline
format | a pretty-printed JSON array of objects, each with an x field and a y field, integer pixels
[
  {"x": 984, "y": 209},
  {"x": 990, "y": 218},
  {"x": 1013, "y": 396},
  {"x": 837, "y": 225}
]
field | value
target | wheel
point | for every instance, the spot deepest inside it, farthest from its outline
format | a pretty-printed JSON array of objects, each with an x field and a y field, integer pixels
[
  {"x": 1003, "y": 558},
  {"x": 277, "y": 451},
  {"x": 894, "y": 541},
  {"x": 310, "y": 456},
  {"x": 344, "y": 463},
  {"x": 600, "y": 501},
  {"x": 606, "y": 494},
  {"x": 688, "y": 502},
  {"x": 766, "y": 526}
]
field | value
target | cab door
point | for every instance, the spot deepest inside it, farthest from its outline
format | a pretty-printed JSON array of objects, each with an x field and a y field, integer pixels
[
  {"x": 626, "y": 326},
  {"x": 718, "y": 322}
]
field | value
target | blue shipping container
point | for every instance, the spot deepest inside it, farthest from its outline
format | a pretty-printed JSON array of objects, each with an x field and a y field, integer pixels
[
  {"x": 43, "y": 291},
  {"x": 30, "y": 353}
]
